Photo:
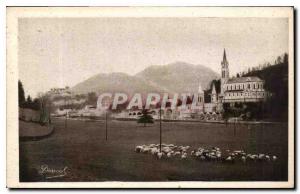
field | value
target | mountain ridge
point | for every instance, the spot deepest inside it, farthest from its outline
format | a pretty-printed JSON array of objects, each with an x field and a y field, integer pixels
[{"x": 176, "y": 77}]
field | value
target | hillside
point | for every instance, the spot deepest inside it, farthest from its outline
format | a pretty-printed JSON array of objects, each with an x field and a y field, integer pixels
[
  {"x": 179, "y": 77},
  {"x": 176, "y": 77},
  {"x": 114, "y": 82},
  {"x": 276, "y": 82}
]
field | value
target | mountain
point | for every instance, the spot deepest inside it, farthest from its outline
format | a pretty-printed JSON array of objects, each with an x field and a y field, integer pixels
[
  {"x": 175, "y": 77},
  {"x": 179, "y": 77},
  {"x": 115, "y": 82}
]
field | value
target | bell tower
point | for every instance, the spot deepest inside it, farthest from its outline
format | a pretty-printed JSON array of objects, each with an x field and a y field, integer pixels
[
  {"x": 200, "y": 95},
  {"x": 224, "y": 72},
  {"x": 214, "y": 98}
]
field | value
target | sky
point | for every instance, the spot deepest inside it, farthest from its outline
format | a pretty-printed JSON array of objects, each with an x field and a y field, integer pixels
[{"x": 59, "y": 52}]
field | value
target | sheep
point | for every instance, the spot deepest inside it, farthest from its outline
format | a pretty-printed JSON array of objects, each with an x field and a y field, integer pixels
[
  {"x": 166, "y": 150},
  {"x": 218, "y": 154},
  {"x": 184, "y": 150},
  {"x": 202, "y": 157},
  {"x": 229, "y": 158},
  {"x": 169, "y": 155},
  {"x": 154, "y": 151},
  {"x": 238, "y": 151},
  {"x": 152, "y": 145},
  {"x": 192, "y": 152},
  {"x": 159, "y": 155},
  {"x": 138, "y": 148},
  {"x": 212, "y": 154},
  {"x": 198, "y": 154},
  {"x": 261, "y": 156},
  {"x": 146, "y": 150},
  {"x": 243, "y": 159},
  {"x": 184, "y": 155}
]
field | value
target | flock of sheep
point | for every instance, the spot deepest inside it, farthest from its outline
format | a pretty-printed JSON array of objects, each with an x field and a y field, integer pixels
[{"x": 212, "y": 154}]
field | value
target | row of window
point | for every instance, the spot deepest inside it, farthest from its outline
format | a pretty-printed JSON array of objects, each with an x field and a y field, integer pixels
[
  {"x": 244, "y": 86},
  {"x": 245, "y": 94},
  {"x": 199, "y": 99},
  {"x": 223, "y": 74}
]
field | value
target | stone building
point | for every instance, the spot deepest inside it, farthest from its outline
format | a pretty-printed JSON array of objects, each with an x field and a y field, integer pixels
[{"x": 240, "y": 89}]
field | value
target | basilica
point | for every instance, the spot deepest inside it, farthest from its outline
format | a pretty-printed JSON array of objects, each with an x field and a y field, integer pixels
[{"x": 239, "y": 89}]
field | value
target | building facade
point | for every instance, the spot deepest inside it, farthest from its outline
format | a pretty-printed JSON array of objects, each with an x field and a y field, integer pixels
[{"x": 240, "y": 89}]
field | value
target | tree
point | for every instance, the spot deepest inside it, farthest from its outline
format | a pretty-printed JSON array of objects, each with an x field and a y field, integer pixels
[
  {"x": 92, "y": 98},
  {"x": 45, "y": 107},
  {"x": 29, "y": 100},
  {"x": 278, "y": 60},
  {"x": 145, "y": 118},
  {"x": 285, "y": 58},
  {"x": 28, "y": 103},
  {"x": 21, "y": 94},
  {"x": 36, "y": 104}
]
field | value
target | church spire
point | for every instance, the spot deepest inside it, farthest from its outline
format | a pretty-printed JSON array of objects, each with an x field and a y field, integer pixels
[
  {"x": 224, "y": 71},
  {"x": 224, "y": 55},
  {"x": 214, "y": 89},
  {"x": 200, "y": 90}
]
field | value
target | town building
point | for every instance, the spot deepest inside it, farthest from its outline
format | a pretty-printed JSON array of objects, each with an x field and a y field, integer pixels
[
  {"x": 59, "y": 92},
  {"x": 239, "y": 89}
]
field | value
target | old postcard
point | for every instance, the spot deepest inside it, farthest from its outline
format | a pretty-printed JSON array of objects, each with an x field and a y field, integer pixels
[{"x": 150, "y": 97}]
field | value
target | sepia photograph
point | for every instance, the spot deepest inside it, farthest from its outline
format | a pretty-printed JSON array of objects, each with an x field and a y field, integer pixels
[{"x": 150, "y": 97}]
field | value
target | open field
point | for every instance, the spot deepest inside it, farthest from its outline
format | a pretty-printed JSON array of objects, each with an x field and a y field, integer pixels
[{"x": 81, "y": 147}]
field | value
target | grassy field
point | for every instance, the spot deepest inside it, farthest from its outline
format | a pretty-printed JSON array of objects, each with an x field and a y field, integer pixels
[{"x": 81, "y": 147}]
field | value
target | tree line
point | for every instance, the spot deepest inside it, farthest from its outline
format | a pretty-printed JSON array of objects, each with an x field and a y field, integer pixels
[{"x": 27, "y": 102}]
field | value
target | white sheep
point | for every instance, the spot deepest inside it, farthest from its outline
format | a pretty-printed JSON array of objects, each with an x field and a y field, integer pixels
[
  {"x": 197, "y": 153},
  {"x": 146, "y": 150},
  {"x": 192, "y": 152},
  {"x": 154, "y": 151},
  {"x": 169, "y": 155},
  {"x": 166, "y": 149},
  {"x": 159, "y": 155},
  {"x": 274, "y": 158},
  {"x": 152, "y": 145},
  {"x": 261, "y": 156},
  {"x": 184, "y": 155},
  {"x": 138, "y": 148},
  {"x": 229, "y": 158},
  {"x": 243, "y": 158}
]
